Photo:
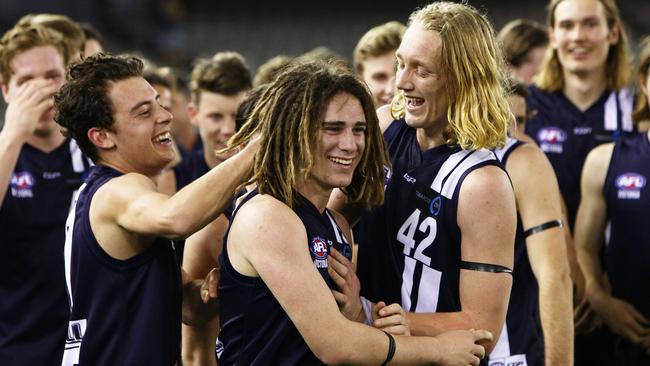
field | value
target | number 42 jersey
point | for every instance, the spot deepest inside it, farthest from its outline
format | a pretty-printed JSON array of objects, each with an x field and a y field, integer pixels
[{"x": 409, "y": 248}]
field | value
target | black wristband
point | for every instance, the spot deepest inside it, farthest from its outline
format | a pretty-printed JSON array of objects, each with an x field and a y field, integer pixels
[
  {"x": 541, "y": 227},
  {"x": 484, "y": 267},
  {"x": 391, "y": 349}
]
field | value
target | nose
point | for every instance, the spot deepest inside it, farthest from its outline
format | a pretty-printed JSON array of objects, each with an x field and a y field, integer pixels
[
  {"x": 577, "y": 32},
  {"x": 228, "y": 128},
  {"x": 164, "y": 115},
  {"x": 348, "y": 140},
  {"x": 403, "y": 79}
]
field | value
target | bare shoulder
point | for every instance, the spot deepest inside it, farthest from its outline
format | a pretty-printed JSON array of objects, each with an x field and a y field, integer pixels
[
  {"x": 486, "y": 181},
  {"x": 385, "y": 117},
  {"x": 527, "y": 159},
  {"x": 120, "y": 191},
  {"x": 265, "y": 215},
  {"x": 600, "y": 156}
]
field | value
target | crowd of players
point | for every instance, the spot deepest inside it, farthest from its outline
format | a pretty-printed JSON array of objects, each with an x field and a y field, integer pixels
[{"x": 454, "y": 197}]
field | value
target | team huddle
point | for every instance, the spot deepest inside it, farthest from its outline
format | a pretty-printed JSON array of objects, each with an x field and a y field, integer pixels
[{"x": 454, "y": 197}]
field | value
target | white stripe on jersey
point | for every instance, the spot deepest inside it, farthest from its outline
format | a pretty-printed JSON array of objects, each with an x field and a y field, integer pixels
[
  {"x": 611, "y": 113},
  {"x": 67, "y": 249},
  {"x": 77, "y": 157},
  {"x": 500, "y": 153},
  {"x": 339, "y": 237},
  {"x": 479, "y": 156}
]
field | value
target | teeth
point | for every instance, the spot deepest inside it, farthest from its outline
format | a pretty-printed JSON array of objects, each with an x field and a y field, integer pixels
[
  {"x": 341, "y": 161},
  {"x": 163, "y": 137},
  {"x": 414, "y": 101}
]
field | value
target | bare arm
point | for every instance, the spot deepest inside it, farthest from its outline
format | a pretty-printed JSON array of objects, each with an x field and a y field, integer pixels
[
  {"x": 486, "y": 238},
  {"x": 621, "y": 317},
  {"x": 201, "y": 253},
  {"x": 286, "y": 267},
  {"x": 135, "y": 205},
  {"x": 27, "y": 103},
  {"x": 538, "y": 201}
]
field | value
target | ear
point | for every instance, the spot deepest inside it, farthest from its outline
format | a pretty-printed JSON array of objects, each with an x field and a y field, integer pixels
[
  {"x": 5, "y": 92},
  {"x": 192, "y": 112},
  {"x": 101, "y": 138},
  {"x": 614, "y": 34}
]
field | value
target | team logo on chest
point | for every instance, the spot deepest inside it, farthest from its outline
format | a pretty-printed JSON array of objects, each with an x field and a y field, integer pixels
[
  {"x": 318, "y": 248},
  {"x": 629, "y": 185},
  {"x": 22, "y": 184},
  {"x": 551, "y": 139}
]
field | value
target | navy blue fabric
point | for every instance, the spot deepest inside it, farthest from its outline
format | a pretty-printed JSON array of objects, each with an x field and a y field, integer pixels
[
  {"x": 33, "y": 306},
  {"x": 123, "y": 312},
  {"x": 255, "y": 330}
]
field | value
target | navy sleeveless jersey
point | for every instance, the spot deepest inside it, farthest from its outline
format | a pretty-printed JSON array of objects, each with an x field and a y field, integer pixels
[
  {"x": 33, "y": 306},
  {"x": 521, "y": 341},
  {"x": 123, "y": 312},
  {"x": 627, "y": 197},
  {"x": 255, "y": 330},
  {"x": 567, "y": 134},
  {"x": 411, "y": 255},
  {"x": 191, "y": 167}
]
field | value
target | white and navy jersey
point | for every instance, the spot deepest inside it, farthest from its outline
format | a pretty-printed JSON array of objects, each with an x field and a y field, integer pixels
[
  {"x": 122, "y": 312},
  {"x": 567, "y": 134},
  {"x": 33, "y": 306},
  {"x": 255, "y": 330},
  {"x": 412, "y": 252},
  {"x": 521, "y": 341},
  {"x": 627, "y": 196}
]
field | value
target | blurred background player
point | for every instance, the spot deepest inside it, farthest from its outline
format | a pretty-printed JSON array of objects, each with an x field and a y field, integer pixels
[
  {"x": 374, "y": 60},
  {"x": 524, "y": 44},
  {"x": 39, "y": 170}
]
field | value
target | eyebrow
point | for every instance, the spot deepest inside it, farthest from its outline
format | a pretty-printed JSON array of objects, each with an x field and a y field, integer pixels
[
  {"x": 144, "y": 102},
  {"x": 339, "y": 123}
]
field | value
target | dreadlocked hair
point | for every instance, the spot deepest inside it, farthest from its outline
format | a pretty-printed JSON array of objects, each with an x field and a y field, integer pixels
[{"x": 288, "y": 117}]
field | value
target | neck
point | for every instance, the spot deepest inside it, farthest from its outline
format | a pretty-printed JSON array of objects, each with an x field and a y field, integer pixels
[
  {"x": 46, "y": 143},
  {"x": 584, "y": 89},
  {"x": 125, "y": 167},
  {"x": 314, "y": 194},
  {"x": 431, "y": 137}
]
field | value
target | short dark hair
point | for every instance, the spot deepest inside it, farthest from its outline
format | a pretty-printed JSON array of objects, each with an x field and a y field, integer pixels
[
  {"x": 83, "y": 103},
  {"x": 225, "y": 73}
]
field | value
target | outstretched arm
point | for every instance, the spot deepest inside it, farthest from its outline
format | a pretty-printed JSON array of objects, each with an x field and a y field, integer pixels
[
  {"x": 538, "y": 202},
  {"x": 486, "y": 238}
]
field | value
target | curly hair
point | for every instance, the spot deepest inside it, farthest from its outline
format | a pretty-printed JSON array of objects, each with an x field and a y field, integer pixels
[
  {"x": 83, "y": 101},
  {"x": 289, "y": 114}
]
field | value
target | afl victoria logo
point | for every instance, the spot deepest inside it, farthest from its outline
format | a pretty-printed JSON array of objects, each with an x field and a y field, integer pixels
[
  {"x": 630, "y": 181},
  {"x": 552, "y": 135},
  {"x": 22, "y": 180},
  {"x": 319, "y": 248}
]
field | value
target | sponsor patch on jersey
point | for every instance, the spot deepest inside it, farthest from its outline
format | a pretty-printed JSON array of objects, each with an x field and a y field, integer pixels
[
  {"x": 551, "y": 139},
  {"x": 409, "y": 179},
  {"x": 629, "y": 185},
  {"x": 21, "y": 184},
  {"x": 582, "y": 130},
  {"x": 515, "y": 360}
]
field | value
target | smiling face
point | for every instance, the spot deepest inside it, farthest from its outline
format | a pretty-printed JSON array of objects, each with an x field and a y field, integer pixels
[
  {"x": 420, "y": 79},
  {"x": 581, "y": 36},
  {"x": 215, "y": 116},
  {"x": 341, "y": 142},
  {"x": 141, "y": 133},
  {"x": 379, "y": 75}
]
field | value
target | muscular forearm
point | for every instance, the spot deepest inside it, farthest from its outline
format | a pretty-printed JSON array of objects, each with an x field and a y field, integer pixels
[{"x": 556, "y": 313}]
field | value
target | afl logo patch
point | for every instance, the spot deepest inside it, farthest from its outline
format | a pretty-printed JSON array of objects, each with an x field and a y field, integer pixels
[
  {"x": 551, "y": 139},
  {"x": 630, "y": 181},
  {"x": 22, "y": 180},
  {"x": 552, "y": 135},
  {"x": 319, "y": 248}
]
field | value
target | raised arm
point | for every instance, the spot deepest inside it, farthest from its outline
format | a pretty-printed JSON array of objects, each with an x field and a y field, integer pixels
[
  {"x": 27, "y": 103},
  {"x": 538, "y": 202},
  {"x": 287, "y": 269},
  {"x": 486, "y": 238}
]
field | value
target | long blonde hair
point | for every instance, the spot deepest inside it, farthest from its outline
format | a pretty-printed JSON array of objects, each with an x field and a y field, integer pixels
[
  {"x": 473, "y": 72},
  {"x": 551, "y": 78},
  {"x": 642, "y": 110}
]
